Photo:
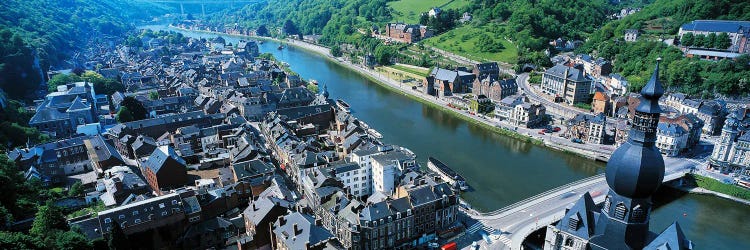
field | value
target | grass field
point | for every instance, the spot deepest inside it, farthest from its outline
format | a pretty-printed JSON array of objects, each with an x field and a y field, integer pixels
[
  {"x": 416, "y": 71},
  {"x": 408, "y": 10},
  {"x": 723, "y": 188},
  {"x": 461, "y": 41}
]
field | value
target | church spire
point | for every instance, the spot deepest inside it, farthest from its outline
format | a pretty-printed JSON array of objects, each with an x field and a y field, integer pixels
[{"x": 634, "y": 172}]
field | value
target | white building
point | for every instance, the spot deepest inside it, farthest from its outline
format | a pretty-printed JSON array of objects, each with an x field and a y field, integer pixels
[
  {"x": 671, "y": 139},
  {"x": 378, "y": 169},
  {"x": 356, "y": 178}
]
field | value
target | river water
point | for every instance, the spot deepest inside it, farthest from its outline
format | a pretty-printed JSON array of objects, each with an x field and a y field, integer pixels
[{"x": 501, "y": 170}]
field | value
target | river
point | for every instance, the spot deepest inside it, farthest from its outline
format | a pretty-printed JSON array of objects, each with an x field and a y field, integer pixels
[{"x": 501, "y": 170}]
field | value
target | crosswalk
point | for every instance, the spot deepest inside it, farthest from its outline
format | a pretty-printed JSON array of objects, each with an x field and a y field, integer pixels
[
  {"x": 504, "y": 239},
  {"x": 491, "y": 231}
]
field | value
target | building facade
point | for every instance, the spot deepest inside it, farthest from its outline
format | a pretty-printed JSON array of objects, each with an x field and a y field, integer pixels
[{"x": 566, "y": 84}]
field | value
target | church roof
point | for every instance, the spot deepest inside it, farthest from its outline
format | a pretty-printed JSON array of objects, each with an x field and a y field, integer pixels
[{"x": 671, "y": 238}]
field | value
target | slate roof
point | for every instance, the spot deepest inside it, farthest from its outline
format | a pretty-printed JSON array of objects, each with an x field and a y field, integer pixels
[
  {"x": 308, "y": 233},
  {"x": 715, "y": 26},
  {"x": 671, "y": 238},
  {"x": 375, "y": 212},
  {"x": 77, "y": 104},
  {"x": 45, "y": 114},
  {"x": 670, "y": 129},
  {"x": 574, "y": 74},
  {"x": 580, "y": 220},
  {"x": 160, "y": 156},
  {"x": 251, "y": 168}
]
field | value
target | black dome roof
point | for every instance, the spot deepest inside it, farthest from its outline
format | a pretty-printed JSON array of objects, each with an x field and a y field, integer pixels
[{"x": 635, "y": 171}]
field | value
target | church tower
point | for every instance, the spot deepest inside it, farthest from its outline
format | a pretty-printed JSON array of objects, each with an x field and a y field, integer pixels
[{"x": 634, "y": 172}]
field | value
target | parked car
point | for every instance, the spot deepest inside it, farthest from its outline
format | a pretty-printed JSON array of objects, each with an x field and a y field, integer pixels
[
  {"x": 576, "y": 140},
  {"x": 541, "y": 132},
  {"x": 556, "y": 129}
]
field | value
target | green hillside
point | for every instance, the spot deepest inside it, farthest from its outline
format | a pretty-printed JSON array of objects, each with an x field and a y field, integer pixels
[
  {"x": 662, "y": 19},
  {"x": 408, "y": 11}
]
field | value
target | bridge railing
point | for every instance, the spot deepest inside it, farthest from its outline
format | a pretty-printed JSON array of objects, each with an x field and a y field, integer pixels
[{"x": 546, "y": 193}]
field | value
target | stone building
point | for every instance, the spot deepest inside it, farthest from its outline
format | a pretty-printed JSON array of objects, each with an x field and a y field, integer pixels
[
  {"x": 566, "y": 84},
  {"x": 496, "y": 90},
  {"x": 588, "y": 128},
  {"x": 634, "y": 172},
  {"x": 528, "y": 115},
  {"x": 61, "y": 112},
  {"x": 732, "y": 152},
  {"x": 407, "y": 33}
]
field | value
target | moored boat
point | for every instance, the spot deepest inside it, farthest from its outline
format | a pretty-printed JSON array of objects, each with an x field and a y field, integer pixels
[
  {"x": 447, "y": 174},
  {"x": 375, "y": 133},
  {"x": 343, "y": 105}
]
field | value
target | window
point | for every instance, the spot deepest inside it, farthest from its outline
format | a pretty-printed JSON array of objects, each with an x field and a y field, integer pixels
[
  {"x": 164, "y": 213},
  {"x": 569, "y": 242},
  {"x": 620, "y": 211},
  {"x": 638, "y": 215},
  {"x": 135, "y": 212},
  {"x": 107, "y": 220},
  {"x": 121, "y": 217},
  {"x": 573, "y": 222},
  {"x": 174, "y": 202},
  {"x": 161, "y": 205}
]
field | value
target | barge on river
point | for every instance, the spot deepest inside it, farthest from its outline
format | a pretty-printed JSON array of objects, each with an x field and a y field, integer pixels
[{"x": 448, "y": 175}]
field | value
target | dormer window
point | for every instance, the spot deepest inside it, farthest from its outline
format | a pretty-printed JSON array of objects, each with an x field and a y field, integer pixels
[
  {"x": 639, "y": 214},
  {"x": 620, "y": 211},
  {"x": 574, "y": 222}
]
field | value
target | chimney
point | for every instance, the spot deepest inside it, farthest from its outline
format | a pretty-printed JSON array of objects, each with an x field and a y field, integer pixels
[
  {"x": 296, "y": 229},
  {"x": 282, "y": 221}
]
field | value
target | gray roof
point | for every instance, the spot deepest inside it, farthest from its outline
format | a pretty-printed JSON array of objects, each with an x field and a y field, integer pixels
[
  {"x": 160, "y": 156},
  {"x": 375, "y": 212},
  {"x": 307, "y": 234},
  {"x": 574, "y": 74},
  {"x": 671, "y": 238}
]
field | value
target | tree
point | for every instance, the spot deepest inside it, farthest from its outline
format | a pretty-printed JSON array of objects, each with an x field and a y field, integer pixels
[
  {"x": 153, "y": 95},
  {"x": 710, "y": 40},
  {"x": 700, "y": 40},
  {"x": 70, "y": 240},
  {"x": 48, "y": 218},
  {"x": 117, "y": 239},
  {"x": 687, "y": 39},
  {"x": 336, "y": 51},
  {"x": 75, "y": 190},
  {"x": 124, "y": 115},
  {"x": 722, "y": 41},
  {"x": 17, "y": 240},
  {"x": 289, "y": 28},
  {"x": 262, "y": 30},
  {"x": 135, "y": 107},
  {"x": 312, "y": 88}
]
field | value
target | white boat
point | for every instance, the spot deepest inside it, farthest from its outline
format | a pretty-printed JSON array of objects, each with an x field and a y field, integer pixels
[
  {"x": 343, "y": 105},
  {"x": 375, "y": 133},
  {"x": 447, "y": 174}
]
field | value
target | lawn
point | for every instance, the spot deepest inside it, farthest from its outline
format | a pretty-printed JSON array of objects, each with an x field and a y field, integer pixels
[
  {"x": 461, "y": 41},
  {"x": 720, "y": 187},
  {"x": 416, "y": 71},
  {"x": 408, "y": 10}
]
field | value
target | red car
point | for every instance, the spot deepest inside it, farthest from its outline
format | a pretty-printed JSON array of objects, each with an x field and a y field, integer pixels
[
  {"x": 556, "y": 129},
  {"x": 541, "y": 132}
]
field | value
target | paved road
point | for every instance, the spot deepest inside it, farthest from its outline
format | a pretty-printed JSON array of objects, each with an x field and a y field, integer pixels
[
  {"x": 509, "y": 228},
  {"x": 536, "y": 96}
]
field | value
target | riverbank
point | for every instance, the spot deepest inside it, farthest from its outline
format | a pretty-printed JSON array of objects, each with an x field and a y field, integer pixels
[{"x": 395, "y": 87}]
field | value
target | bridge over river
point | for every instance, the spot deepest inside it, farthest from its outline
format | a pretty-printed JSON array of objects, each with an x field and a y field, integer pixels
[{"x": 509, "y": 226}]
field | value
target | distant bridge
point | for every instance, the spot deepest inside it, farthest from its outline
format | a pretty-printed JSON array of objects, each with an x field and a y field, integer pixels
[
  {"x": 202, "y": 3},
  {"x": 512, "y": 224}
]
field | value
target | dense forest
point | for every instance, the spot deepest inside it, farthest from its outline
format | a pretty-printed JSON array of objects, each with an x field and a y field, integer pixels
[
  {"x": 54, "y": 29},
  {"x": 37, "y": 35},
  {"x": 661, "y": 20}
]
